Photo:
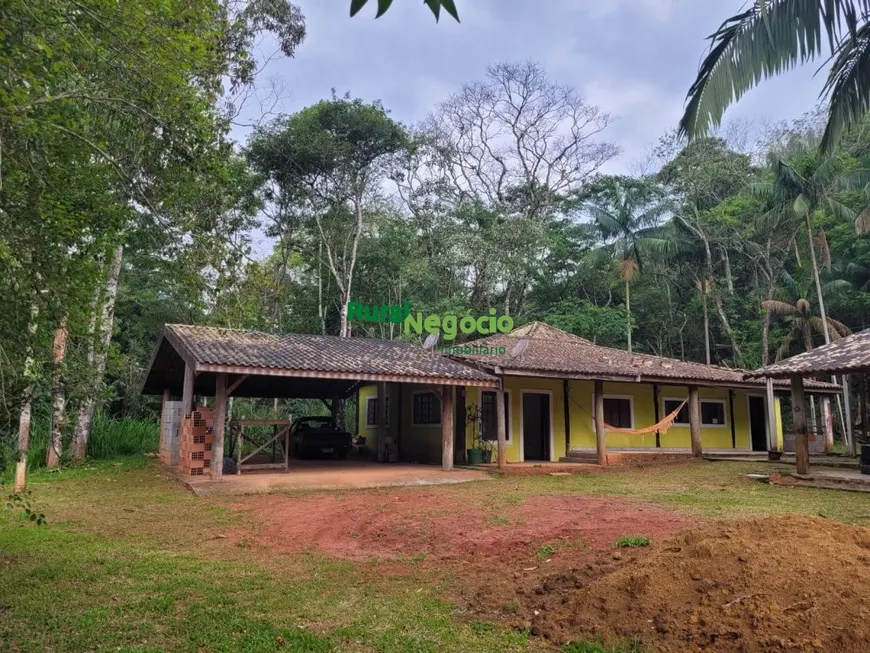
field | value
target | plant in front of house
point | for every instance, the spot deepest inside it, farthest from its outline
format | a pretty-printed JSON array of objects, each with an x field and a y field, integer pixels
[{"x": 474, "y": 419}]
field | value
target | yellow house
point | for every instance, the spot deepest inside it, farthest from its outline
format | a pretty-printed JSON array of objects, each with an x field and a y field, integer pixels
[{"x": 548, "y": 377}]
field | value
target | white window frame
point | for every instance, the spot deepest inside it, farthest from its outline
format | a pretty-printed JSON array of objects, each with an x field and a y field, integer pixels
[
  {"x": 607, "y": 396},
  {"x": 711, "y": 400},
  {"x": 374, "y": 425},
  {"x": 425, "y": 426},
  {"x": 509, "y": 425}
]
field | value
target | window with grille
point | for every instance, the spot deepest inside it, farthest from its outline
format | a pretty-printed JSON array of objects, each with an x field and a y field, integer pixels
[
  {"x": 372, "y": 411},
  {"x": 489, "y": 417},
  {"x": 426, "y": 409}
]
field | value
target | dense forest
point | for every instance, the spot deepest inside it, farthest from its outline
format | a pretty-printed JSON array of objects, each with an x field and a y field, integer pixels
[{"x": 125, "y": 205}]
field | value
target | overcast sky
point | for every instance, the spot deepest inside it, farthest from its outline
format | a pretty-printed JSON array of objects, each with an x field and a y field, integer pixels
[{"x": 635, "y": 59}]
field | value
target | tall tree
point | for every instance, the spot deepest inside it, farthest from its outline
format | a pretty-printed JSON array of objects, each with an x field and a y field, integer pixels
[{"x": 331, "y": 160}]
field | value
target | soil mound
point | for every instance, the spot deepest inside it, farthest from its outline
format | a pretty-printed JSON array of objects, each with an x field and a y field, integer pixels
[{"x": 766, "y": 584}]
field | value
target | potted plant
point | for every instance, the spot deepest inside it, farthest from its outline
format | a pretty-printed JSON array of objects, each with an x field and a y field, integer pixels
[{"x": 473, "y": 418}]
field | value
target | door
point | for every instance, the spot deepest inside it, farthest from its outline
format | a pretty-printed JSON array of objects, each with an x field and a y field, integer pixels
[
  {"x": 758, "y": 423},
  {"x": 536, "y": 426},
  {"x": 459, "y": 427}
]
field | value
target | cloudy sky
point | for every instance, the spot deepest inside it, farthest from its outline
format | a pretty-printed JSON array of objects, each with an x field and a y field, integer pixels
[{"x": 633, "y": 58}]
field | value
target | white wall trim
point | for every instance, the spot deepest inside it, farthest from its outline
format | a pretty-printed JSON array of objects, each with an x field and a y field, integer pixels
[
  {"x": 531, "y": 391},
  {"x": 763, "y": 398},
  {"x": 424, "y": 426}
]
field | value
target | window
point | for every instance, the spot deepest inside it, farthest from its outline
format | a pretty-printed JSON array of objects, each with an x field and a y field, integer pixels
[
  {"x": 712, "y": 412},
  {"x": 617, "y": 412},
  {"x": 489, "y": 417},
  {"x": 372, "y": 411},
  {"x": 426, "y": 409},
  {"x": 672, "y": 404}
]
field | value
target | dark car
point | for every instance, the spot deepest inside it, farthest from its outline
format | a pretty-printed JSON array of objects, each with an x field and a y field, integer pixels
[{"x": 318, "y": 436}]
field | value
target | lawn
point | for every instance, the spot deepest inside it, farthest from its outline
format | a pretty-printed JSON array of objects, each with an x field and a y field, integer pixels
[{"x": 129, "y": 560}]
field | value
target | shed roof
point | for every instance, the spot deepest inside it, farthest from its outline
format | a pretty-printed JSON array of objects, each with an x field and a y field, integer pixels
[
  {"x": 319, "y": 365},
  {"x": 551, "y": 351},
  {"x": 843, "y": 356}
]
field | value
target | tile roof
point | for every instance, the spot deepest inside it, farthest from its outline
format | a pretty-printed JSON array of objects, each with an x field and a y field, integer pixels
[
  {"x": 215, "y": 346},
  {"x": 551, "y": 350},
  {"x": 845, "y": 355}
]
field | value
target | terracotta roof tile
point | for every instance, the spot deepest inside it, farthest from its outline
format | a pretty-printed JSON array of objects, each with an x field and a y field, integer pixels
[
  {"x": 845, "y": 355},
  {"x": 552, "y": 350},
  {"x": 315, "y": 353}
]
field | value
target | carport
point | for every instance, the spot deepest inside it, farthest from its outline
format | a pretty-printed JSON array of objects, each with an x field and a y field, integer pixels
[{"x": 219, "y": 363}]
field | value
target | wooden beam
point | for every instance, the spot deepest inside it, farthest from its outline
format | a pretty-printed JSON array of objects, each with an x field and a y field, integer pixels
[
  {"x": 275, "y": 437},
  {"x": 235, "y": 384},
  {"x": 771, "y": 417},
  {"x": 163, "y": 418},
  {"x": 695, "y": 420},
  {"x": 799, "y": 421},
  {"x": 187, "y": 392},
  {"x": 501, "y": 428},
  {"x": 328, "y": 406},
  {"x": 381, "y": 422},
  {"x": 862, "y": 389},
  {"x": 600, "y": 433},
  {"x": 655, "y": 389},
  {"x": 567, "y": 410},
  {"x": 262, "y": 422},
  {"x": 220, "y": 423},
  {"x": 447, "y": 428}
]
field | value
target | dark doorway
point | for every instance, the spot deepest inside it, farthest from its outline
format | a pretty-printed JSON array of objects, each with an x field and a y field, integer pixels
[
  {"x": 459, "y": 427},
  {"x": 536, "y": 426},
  {"x": 758, "y": 423}
]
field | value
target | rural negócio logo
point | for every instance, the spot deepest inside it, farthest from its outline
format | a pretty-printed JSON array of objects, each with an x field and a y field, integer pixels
[{"x": 446, "y": 326}]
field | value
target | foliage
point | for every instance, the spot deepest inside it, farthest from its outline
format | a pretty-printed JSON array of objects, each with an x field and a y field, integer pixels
[
  {"x": 435, "y": 6},
  {"x": 23, "y": 502},
  {"x": 631, "y": 541}
]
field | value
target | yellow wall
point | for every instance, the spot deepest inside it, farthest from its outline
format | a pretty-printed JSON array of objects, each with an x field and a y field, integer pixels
[{"x": 423, "y": 444}]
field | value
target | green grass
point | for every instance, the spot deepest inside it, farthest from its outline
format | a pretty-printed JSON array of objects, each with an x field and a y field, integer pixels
[
  {"x": 629, "y": 541},
  {"x": 130, "y": 560}
]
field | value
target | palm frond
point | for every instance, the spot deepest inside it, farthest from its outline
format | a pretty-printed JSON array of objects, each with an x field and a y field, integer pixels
[
  {"x": 862, "y": 222},
  {"x": 848, "y": 86},
  {"x": 779, "y": 307},
  {"x": 840, "y": 210},
  {"x": 769, "y": 38}
]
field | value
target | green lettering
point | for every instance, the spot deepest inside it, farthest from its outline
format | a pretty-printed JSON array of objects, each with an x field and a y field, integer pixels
[
  {"x": 354, "y": 311},
  {"x": 481, "y": 325},
  {"x": 467, "y": 325},
  {"x": 432, "y": 324},
  {"x": 417, "y": 325},
  {"x": 448, "y": 326},
  {"x": 396, "y": 314},
  {"x": 505, "y": 324}
]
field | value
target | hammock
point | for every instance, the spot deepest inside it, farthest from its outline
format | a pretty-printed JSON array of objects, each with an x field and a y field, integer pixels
[{"x": 662, "y": 425}]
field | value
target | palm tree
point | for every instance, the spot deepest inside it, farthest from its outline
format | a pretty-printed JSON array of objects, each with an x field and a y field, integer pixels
[
  {"x": 801, "y": 314},
  {"x": 800, "y": 187},
  {"x": 773, "y": 36},
  {"x": 627, "y": 213}
]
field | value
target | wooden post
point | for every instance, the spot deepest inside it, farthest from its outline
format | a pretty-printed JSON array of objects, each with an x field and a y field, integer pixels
[
  {"x": 381, "y": 422},
  {"x": 565, "y": 400},
  {"x": 847, "y": 427},
  {"x": 501, "y": 425},
  {"x": 862, "y": 402},
  {"x": 220, "y": 423},
  {"x": 600, "y": 434},
  {"x": 447, "y": 428},
  {"x": 695, "y": 421},
  {"x": 187, "y": 392},
  {"x": 287, "y": 449},
  {"x": 814, "y": 424},
  {"x": 655, "y": 389},
  {"x": 240, "y": 438},
  {"x": 828, "y": 424},
  {"x": 771, "y": 417},
  {"x": 799, "y": 420},
  {"x": 163, "y": 419}
]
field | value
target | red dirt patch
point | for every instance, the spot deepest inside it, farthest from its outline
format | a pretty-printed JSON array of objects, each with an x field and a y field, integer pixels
[
  {"x": 436, "y": 523},
  {"x": 778, "y": 583}
]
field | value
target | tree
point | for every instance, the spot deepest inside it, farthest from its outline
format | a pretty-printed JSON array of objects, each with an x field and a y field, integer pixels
[
  {"x": 628, "y": 213},
  {"x": 435, "y": 6},
  {"x": 330, "y": 160},
  {"x": 773, "y": 36}
]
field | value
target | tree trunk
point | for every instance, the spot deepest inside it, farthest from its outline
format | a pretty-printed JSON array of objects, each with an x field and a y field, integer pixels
[
  {"x": 102, "y": 337},
  {"x": 706, "y": 320},
  {"x": 818, "y": 282},
  {"x": 24, "y": 416},
  {"x": 799, "y": 422},
  {"x": 58, "y": 396},
  {"x": 628, "y": 313},
  {"x": 729, "y": 279},
  {"x": 765, "y": 330},
  {"x": 695, "y": 421}
]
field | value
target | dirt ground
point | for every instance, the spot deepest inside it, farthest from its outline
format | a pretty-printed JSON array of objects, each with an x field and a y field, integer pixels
[{"x": 548, "y": 564}]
